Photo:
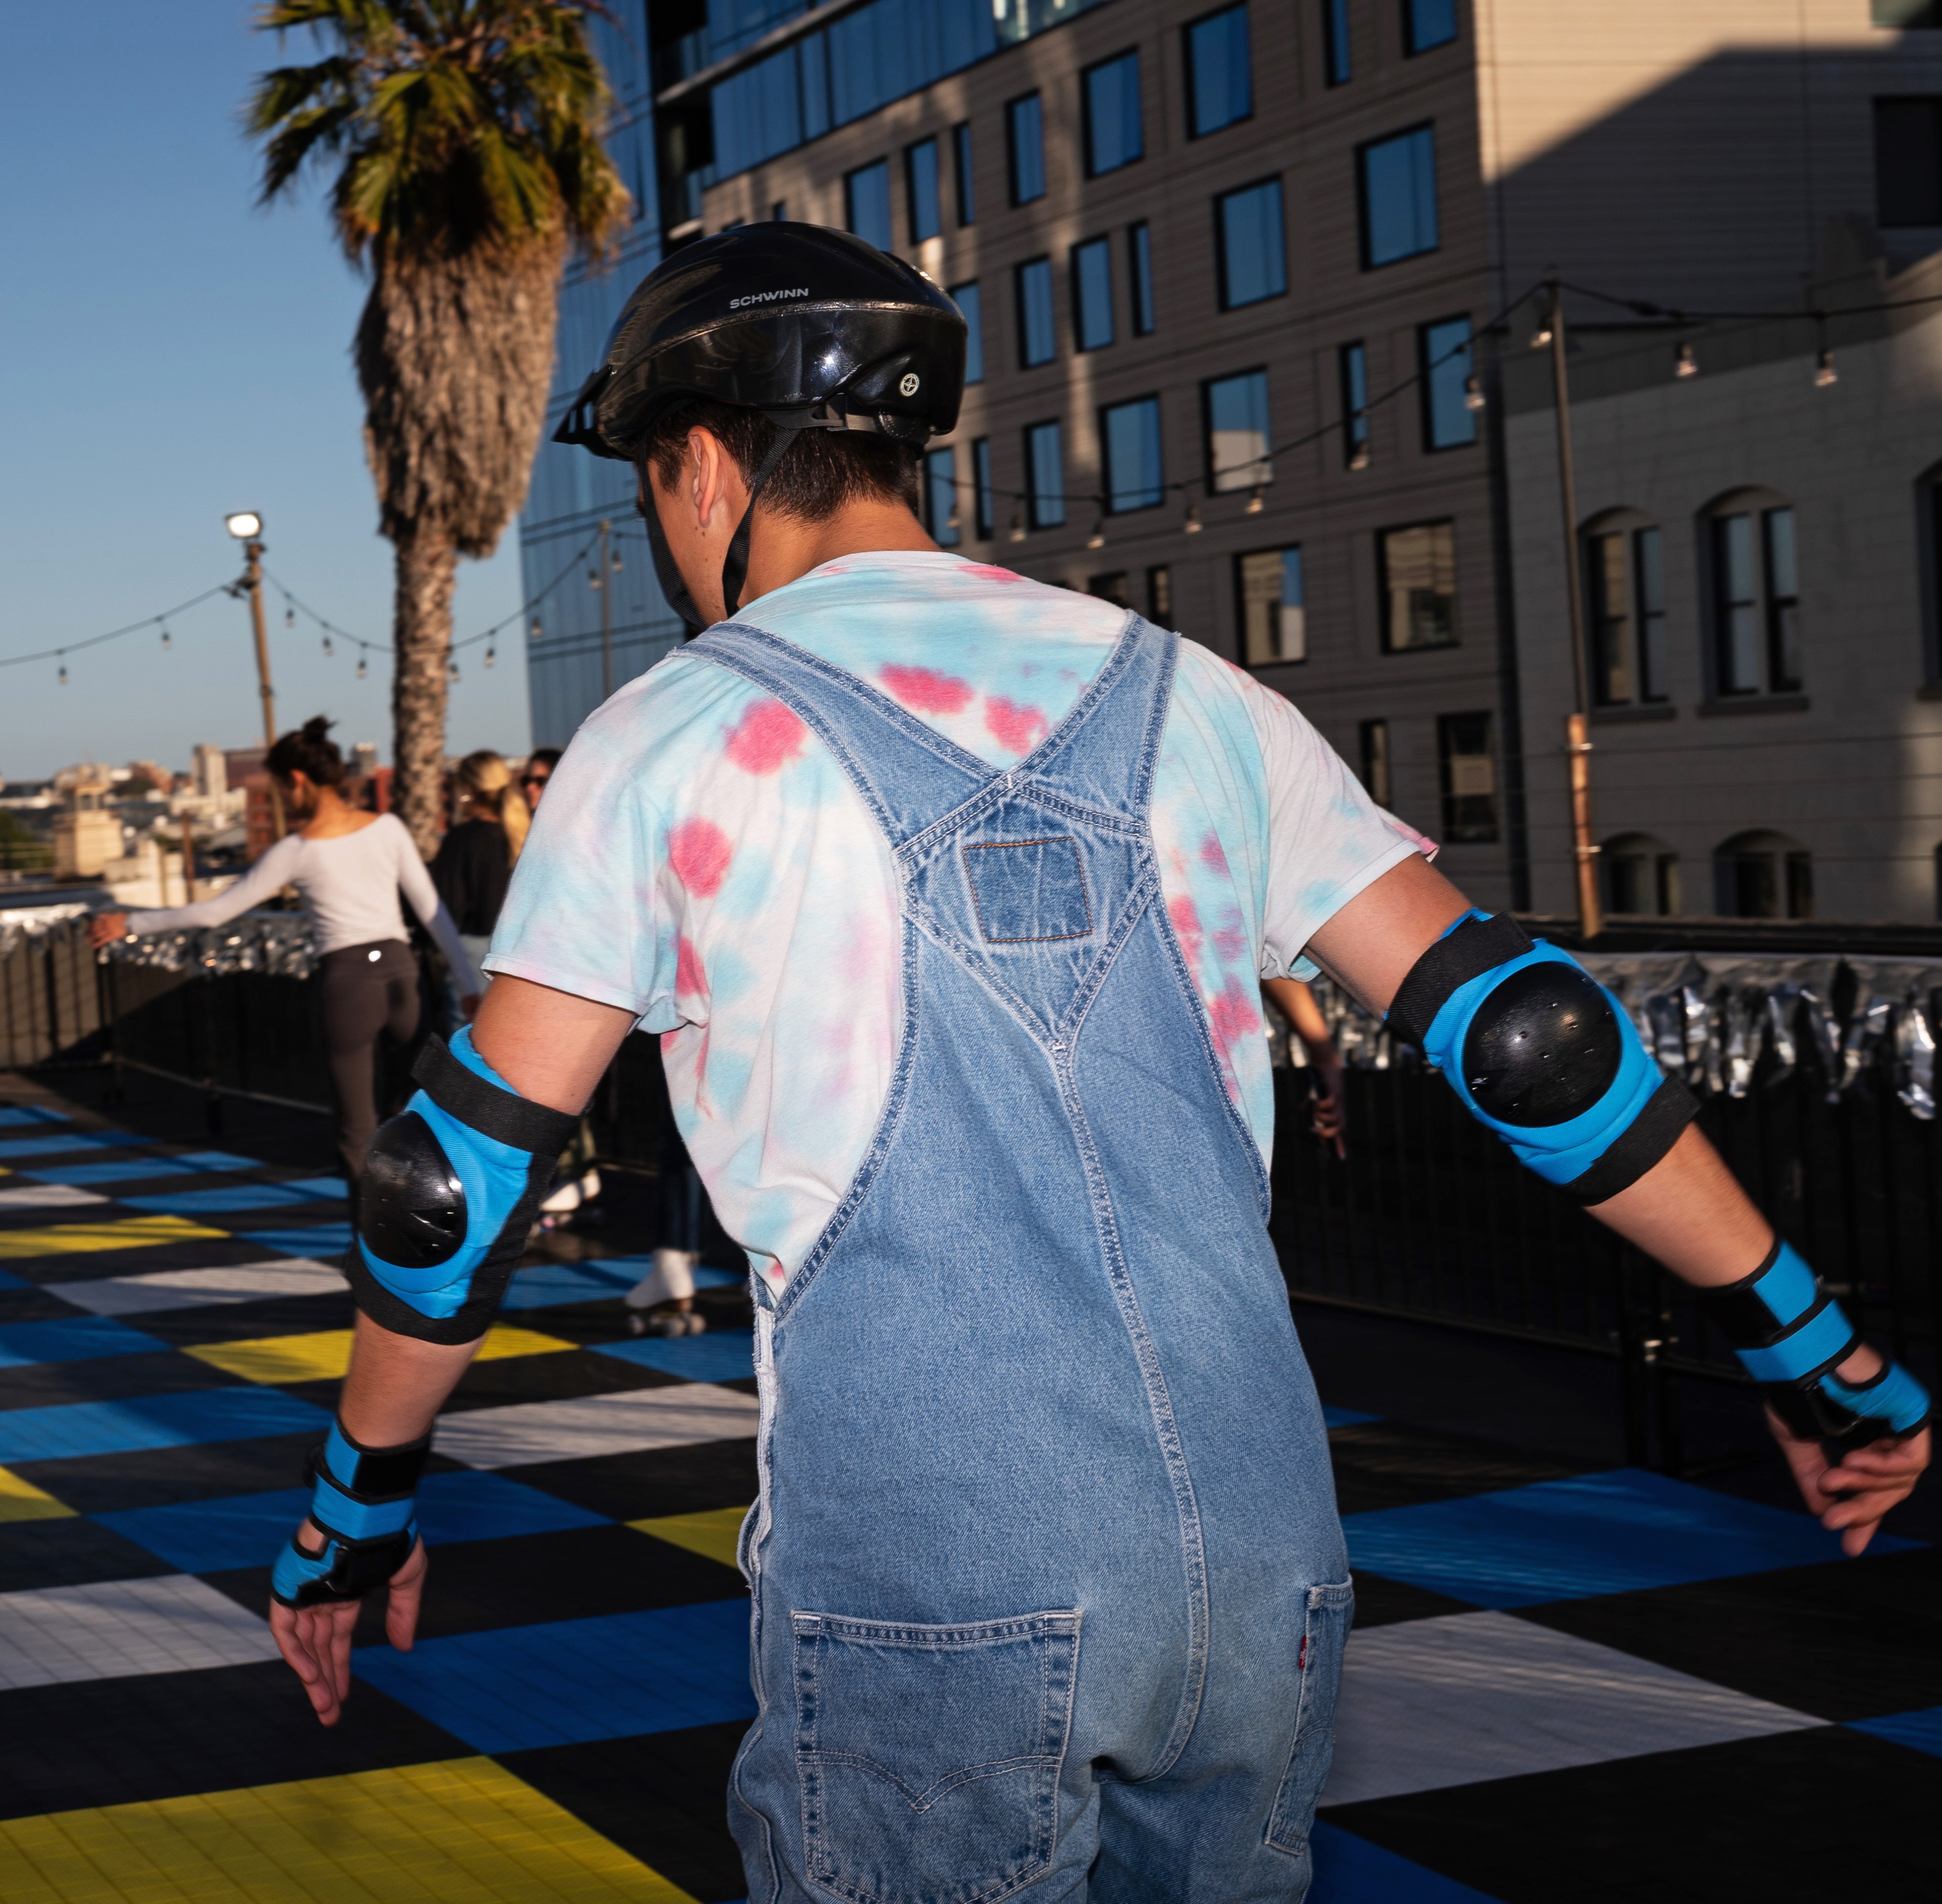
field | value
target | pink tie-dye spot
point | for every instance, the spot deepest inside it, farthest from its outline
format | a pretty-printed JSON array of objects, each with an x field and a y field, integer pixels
[
  {"x": 766, "y": 738},
  {"x": 984, "y": 571},
  {"x": 690, "y": 977},
  {"x": 1213, "y": 855},
  {"x": 1018, "y": 728},
  {"x": 1231, "y": 1016},
  {"x": 699, "y": 851},
  {"x": 926, "y": 689}
]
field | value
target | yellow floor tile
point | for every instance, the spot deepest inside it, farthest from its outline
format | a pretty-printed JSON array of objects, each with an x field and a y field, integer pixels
[
  {"x": 325, "y": 1355},
  {"x": 84, "y": 1239},
  {"x": 22, "y": 1500},
  {"x": 712, "y": 1535},
  {"x": 462, "y": 1832}
]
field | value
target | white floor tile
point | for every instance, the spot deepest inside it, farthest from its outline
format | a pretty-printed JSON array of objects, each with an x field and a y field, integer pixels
[
  {"x": 113, "y": 1629},
  {"x": 46, "y": 1196},
  {"x": 529, "y": 1432},
  {"x": 1428, "y": 1703},
  {"x": 195, "y": 1288}
]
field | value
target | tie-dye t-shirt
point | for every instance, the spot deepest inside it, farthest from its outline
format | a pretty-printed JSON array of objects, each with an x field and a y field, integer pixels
[{"x": 702, "y": 861}]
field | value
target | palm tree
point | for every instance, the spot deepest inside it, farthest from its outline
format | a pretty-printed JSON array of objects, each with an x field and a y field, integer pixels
[{"x": 466, "y": 135}]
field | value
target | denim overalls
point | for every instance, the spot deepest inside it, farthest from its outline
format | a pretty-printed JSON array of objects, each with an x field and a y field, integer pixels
[{"x": 1049, "y": 1592}]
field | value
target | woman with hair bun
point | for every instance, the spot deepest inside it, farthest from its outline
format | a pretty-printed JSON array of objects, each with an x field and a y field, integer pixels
[
  {"x": 474, "y": 862},
  {"x": 347, "y": 866}
]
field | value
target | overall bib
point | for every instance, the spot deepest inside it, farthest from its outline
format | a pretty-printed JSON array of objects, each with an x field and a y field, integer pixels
[{"x": 1049, "y": 1592}]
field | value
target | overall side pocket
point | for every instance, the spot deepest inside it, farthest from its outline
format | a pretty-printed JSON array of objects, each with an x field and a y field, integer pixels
[
  {"x": 1324, "y": 1633},
  {"x": 929, "y": 1756}
]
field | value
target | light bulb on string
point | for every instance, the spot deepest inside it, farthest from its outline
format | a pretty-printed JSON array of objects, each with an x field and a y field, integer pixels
[
  {"x": 362, "y": 670},
  {"x": 593, "y": 578},
  {"x": 617, "y": 565},
  {"x": 328, "y": 650},
  {"x": 1684, "y": 363},
  {"x": 454, "y": 667},
  {"x": 1097, "y": 540},
  {"x": 539, "y": 628},
  {"x": 167, "y": 640},
  {"x": 1017, "y": 529},
  {"x": 1473, "y": 392},
  {"x": 1825, "y": 372},
  {"x": 492, "y": 653},
  {"x": 1540, "y": 338},
  {"x": 63, "y": 674},
  {"x": 290, "y": 617},
  {"x": 1257, "y": 502},
  {"x": 1190, "y": 524},
  {"x": 952, "y": 522}
]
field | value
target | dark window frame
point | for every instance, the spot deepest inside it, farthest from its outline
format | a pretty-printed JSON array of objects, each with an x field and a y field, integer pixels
[
  {"x": 1186, "y": 32},
  {"x": 1338, "y": 56},
  {"x": 1385, "y": 598},
  {"x": 912, "y": 196},
  {"x": 965, "y": 186},
  {"x": 1034, "y": 100},
  {"x": 1152, "y": 397},
  {"x": 850, "y": 179},
  {"x": 1018, "y": 271},
  {"x": 1892, "y": 163},
  {"x": 1075, "y": 292},
  {"x": 983, "y": 496},
  {"x": 1086, "y": 127},
  {"x": 1139, "y": 270},
  {"x": 1033, "y": 517},
  {"x": 1460, "y": 828},
  {"x": 974, "y": 343},
  {"x": 1362, "y": 230},
  {"x": 1211, "y": 475},
  {"x": 1764, "y": 605},
  {"x": 1351, "y": 365},
  {"x": 1412, "y": 48},
  {"x": 1222, "y": 285},
  {"x": 1378, "y": 773},
  {"x": 1426, "y": 408},
  {"x": 940, "y": 530},
  {"x": 1241, "y": 558}
]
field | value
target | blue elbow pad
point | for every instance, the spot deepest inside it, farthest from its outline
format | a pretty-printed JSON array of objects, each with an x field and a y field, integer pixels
[
  {"x": 1541, "y": 1054},
  {"x": 364, "y": 1501},
  {"x": 448, "y": 1195},
  {"x": 1789, "y": 1334}
]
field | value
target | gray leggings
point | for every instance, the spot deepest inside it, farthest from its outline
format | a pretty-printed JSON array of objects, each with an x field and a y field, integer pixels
[{"x": 367, "y": 990}]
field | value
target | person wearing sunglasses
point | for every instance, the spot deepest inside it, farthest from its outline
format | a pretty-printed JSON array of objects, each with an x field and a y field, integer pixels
[{"x": 538, "y": 771}]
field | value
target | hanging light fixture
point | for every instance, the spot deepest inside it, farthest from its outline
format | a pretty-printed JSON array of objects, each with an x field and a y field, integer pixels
[
  {"x": 492, "y": 653},
  {"x": 63, "y": 674},
  {"x": 952, "y": 522},
  {"x": 1190, "y": 522},
  {"x": 290, "y": 617},
  {"x": 167, "y": 642},
  {"x": 539, "y": 628},
  {"x": 617, "y": 565},
  {"x": 1473, "y": 392},
  {"x": 593, "y": 578},
  {"x": 1540, "y": 338},
  {"x": 1825, "y": 372},
  {"x": 1684, "y": 364},
  {"x": 454, "y": 667},
  {"x": 1097, "y": 540},
  {"x": 1017, "y": 529},
  {"x": 1256, "y": 502},
  {"x": 1361, "y": 458},
  {"x": 328, "y": 650},
  {"x": 362, "y": 670}
]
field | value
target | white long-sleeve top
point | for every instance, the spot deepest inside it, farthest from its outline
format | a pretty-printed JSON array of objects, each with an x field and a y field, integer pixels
[{"x": 349, "y": 884}]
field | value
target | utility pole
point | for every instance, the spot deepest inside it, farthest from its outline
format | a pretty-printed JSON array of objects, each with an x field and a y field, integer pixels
[
  {"x": 604, "y": 581},
  {"x": 1577, "y": 724}
]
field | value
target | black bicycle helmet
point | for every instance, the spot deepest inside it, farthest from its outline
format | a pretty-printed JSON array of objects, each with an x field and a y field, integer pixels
[{"x": 816, "y": 329}]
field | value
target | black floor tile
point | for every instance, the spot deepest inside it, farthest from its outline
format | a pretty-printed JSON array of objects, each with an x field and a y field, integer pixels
[
  {"x": 69, "y": 1552},
  {"x": 104, "y": 1742},
  {"x": 1847, "y": 1640},
  {"x": 108, "y": 1378},
  {"x": 1380, "y": 1603},
  {"x": 1805, "y": 1818},
  {"x": 654, "y": 1481},
  {"x": 157, "y": 1477},
  {"x": 1383, "y": 1465},
  {"x": 559, "y": 1375},
  {"x": 662, "y": 1797},
  {"x": 245, "y": 1322},
  {"x": 194, "y": 1252},
  {"x": 34, "y": 1305}
]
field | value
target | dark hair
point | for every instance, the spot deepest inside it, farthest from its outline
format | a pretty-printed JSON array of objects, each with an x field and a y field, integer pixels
[
  {"x": 546, "y": 757},
  {"x": 310, "y": 752},
  {"x": 821, "y": 472}
]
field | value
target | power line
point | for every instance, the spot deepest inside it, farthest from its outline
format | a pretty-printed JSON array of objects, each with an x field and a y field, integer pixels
[{"x": 115, "y": 634}]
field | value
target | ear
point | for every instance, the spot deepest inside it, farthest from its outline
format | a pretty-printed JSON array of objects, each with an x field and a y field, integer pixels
[{"x": 710, "y": 477}]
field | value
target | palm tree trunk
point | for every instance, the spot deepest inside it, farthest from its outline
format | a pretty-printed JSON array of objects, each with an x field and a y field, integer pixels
[{"x": 427, "y": 572}]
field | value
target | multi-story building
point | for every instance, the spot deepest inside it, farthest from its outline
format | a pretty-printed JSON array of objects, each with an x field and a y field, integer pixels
[{"x": 1241, "y": 280}]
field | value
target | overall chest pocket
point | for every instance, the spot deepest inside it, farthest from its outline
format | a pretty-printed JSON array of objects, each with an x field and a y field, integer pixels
[
  {"x": 1026, "y": 891},
  {"x": 929, "y": 1756}
]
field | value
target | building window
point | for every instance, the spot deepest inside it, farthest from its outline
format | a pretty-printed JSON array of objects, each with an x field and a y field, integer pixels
[
  {"x": 1025, "y": 128},
  {"x": 1139, "y": 258},
  {"x": 1220, "y": 86},
  {"x": 1111, "y": 92},
  {"x": 970, "y": 301},
  {"x": 1756, "y": 602},
  {"x": 1116, "y": 588},
  {"x": 1640, "y": 875},
  {"x": 1398, "y": 178},
  {"x": 1352, "y": 366},
  {"x": 1908, "y": 161},
  {"x": 1037, "y": 343},
  {"x": 1625, "y": 589},
  {"x": 1418, "y": 580},
  {"x": 1240, "y": 439},
  {"x": 1045, "y": 475},
  {"x": 1336, "y": 62},
  {"x": 1159, "y": 595},
  {"x": 1267, "y": 587},
  {"x": 1443, "y": 357},
  {"x": 778, "y": 210},
  {"x": 941, "y": 517},
  {"x": 1254, "y": 264},
  {"x": 1427, "y": 23},
  {"x": 1763, "y": 875},
  {"x": 967, "y": 201},
  {"x": 981, "y": 480},
  {"x": 1092, "y": 294},
  {"x": 927, "y": 211},
  {"x": 1130, "y": 433},
  {"x": 1376, "y": 781},
  {"x": 1469, "y": 778},
  {"x": 866, "y": 203}
]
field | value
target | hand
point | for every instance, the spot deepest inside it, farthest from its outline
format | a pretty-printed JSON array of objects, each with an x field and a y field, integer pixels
[
  {"x": 468, "y": 1006},
  {"x": 106, "y": 927},
  {"x": 1852, "y": 1499},
  {"x": 315, "y": 1641},
  {"x": 1328, "y": 1110}
]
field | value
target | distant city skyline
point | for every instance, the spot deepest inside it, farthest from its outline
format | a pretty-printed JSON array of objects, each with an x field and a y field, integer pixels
[{"x": 176, "y": 354}]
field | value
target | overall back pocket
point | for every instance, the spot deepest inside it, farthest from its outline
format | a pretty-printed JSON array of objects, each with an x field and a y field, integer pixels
[
  {"x": 929, "y": 1756},
  {"x": 1324, "y": 1633}
]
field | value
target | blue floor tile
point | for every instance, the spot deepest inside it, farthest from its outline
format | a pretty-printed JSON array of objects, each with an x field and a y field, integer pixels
[
  {"x": 14, "y": 1148},
  {"x": 204, "y": 1536},
  {"x": 1922, "y": 1730},
  {"x": 14, "y": 1282},
  {"x": 572, "y": 1681},
  {"x": 317, "y": 1189},
  {"x": 325, "y": 1241},
  {"x": 634, "y": 1267},
  {"x": 220, "y": 1202},
  {"x": 126, "y": 1170},
  {"x": 1612, "y": 1533},
  {"x": 12, "y": 1115},
  {"x": 1350, "y": 1870},
  {"x": 72, "y": 1338},
  {"x": 547, "y": 1285},
  {"x": 721, "y": 1355},
  {"x": 1345, "y": 1418},
  {"x": 221, "y": 1160},
  {"x": 76, "y": 1428}
]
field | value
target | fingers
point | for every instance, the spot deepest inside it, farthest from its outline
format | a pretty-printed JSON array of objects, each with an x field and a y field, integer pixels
[
  {"x": 401, "y": 1615},
  {"x": 299, "y": 1639}
]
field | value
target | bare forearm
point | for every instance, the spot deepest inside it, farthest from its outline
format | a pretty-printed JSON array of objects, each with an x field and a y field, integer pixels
[{"x": 396, "y": 1385}]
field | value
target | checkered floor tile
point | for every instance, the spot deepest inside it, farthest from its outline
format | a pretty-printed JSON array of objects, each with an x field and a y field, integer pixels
[{"x": 1605, "y": 1685}]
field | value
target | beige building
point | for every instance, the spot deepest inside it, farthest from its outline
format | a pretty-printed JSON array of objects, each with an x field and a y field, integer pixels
[{"x": 88, "y": 833}]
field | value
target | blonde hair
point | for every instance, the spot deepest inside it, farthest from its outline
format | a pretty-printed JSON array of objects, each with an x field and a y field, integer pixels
[{"x": 488, "y": 782}]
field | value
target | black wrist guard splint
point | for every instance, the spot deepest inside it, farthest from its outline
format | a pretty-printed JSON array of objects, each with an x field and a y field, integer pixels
[
  {"x": 1790, "y": 1336},
  {"x": 364, "y": 1500},
  {"x": 450, "y": 1189}
]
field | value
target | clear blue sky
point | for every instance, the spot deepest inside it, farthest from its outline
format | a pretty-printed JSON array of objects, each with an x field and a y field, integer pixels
[{"x": 171, "y": 354}]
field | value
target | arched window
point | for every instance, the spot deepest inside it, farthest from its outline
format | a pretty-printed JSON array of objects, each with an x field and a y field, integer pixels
[
  {"x": 1754, "y": 582},
  {"x": 1763, "y": 875},
  {"x": 1641, "y": 874},
  {"x": 1624, "y": 608}
]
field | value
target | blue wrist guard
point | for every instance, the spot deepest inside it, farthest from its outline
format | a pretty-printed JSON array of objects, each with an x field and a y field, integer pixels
[
  {"x": 448, "y": 1196},
  {"x": 1789, "y": 1334},
  {"x": 1541, "y": 1054},
  {"x": 363, "y": 1499}
]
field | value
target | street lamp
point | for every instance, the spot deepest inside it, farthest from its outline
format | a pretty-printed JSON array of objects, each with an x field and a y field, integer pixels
[
  {"x": 247, "y": 528},
  {"x": 245, "y": 524}
]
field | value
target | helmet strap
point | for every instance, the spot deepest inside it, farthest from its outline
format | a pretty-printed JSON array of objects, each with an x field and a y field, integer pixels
[{"x": 735, "y": 565}]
